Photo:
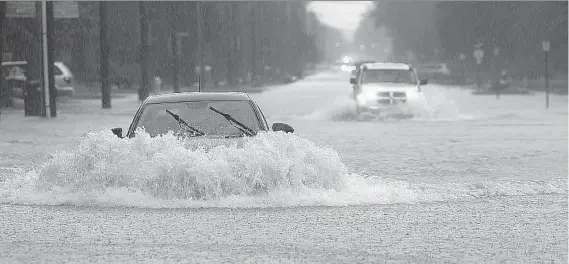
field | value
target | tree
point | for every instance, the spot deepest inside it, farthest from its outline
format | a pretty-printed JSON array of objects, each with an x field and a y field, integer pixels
[
  {"x": 411, "y": 25},
  {"x": 516, "y": 28}
]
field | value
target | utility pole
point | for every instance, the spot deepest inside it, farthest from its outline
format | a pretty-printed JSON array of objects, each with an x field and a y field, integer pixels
[
  {"x": 174, "y": 47},
  {"x": 498, "y": 72},
  {"x": 546, "y": 46},
  {"x": 288, "y": 35},
  {"x": 478, "y": 55},
  {"x": 47, "y": 37},
  {"x": 462, "y": 81},
  {"x": 200, "y": 45},
  {"x": 232, "y": 45},
  {"x": 104, "y": 49},
  {"x": 261, "y": 44},
  {"x": 253, "y": 41},
  {"x": 2, "y": 16},
  {"x": 143, "y": 92}
]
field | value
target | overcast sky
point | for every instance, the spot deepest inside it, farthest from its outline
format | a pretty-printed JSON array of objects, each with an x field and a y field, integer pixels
[{"x": 344, "y": 15}]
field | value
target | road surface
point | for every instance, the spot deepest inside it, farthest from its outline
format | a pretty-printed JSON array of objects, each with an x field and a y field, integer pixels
[{"x": 470, "y": 179}]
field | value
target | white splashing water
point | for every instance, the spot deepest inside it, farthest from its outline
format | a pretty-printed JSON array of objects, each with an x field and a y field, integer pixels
[
  {"x": 433, "y": 106},
  {"x": 272, "y": 169}
]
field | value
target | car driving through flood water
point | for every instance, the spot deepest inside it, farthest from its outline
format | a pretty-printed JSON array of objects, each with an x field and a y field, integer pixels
[{"x": 211, "y": 115}]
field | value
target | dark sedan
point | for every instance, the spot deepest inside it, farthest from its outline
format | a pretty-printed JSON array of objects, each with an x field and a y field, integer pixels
[{"x": 212, "y": 115}]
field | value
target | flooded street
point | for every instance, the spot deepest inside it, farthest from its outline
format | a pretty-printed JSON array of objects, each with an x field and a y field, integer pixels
[{"x": 469, "y": 179}]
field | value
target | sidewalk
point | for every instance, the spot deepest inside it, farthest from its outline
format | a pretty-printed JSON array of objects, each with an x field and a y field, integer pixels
[
  {"x": 122, "y": 102},
  {"x": 25, "y": 141},
  {"x": 559, "y": 87},
  {"x": 93, "y": 90}
]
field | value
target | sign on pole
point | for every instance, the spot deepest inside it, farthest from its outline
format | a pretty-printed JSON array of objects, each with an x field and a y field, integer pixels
[
  {"x": 546, "y": 45},
  {"x": 6, "y": 56},
  {"x": 478, "y": 55},
  {"x": 26, "y": 9},
  {"x": 182, "y": 34}
]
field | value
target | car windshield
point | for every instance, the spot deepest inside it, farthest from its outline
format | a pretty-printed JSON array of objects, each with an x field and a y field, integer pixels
[
  {"x": 156, "y": 121},
  {"x": 14, "y": 71},
  {"x": 389, "y": 75}
]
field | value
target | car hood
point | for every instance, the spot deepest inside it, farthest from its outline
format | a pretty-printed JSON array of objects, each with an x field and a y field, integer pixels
[{"x": 387, "y": 87}]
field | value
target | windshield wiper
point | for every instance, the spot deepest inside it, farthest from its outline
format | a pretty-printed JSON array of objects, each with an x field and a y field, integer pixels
[
  {"x": 243, "y": 128},
  {"x": 181, "y": 122}
]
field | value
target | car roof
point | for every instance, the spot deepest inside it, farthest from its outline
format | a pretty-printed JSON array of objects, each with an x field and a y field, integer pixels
[
  {"x": 11, "y": 63},
  {"x": 198, "y": 96},
  {"x": 360, "y": 62},
  {"x": 387, "y": 66}
]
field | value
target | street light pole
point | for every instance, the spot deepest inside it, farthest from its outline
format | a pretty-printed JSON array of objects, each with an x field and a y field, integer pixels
[
  {"x": 47, "y": 36},
  {"x": 546, "y": 46},
  {"x": 478, "y": 54},
  {"x": 462, "y": 70},
  {"x": 143, "y": 92},
  {"x": 173, "y": 40},
  {"x": 2, "y": 16},
  {"x": 200, "y": 44},
  {"x": 104, "y": 50},
  {"x": 253, "y": 13},
  {"x": 498, "y": 73}
]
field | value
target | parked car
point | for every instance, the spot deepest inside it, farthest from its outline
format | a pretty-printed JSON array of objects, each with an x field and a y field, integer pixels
[
  {"x": 434, "y": 71},
  {"x": 15, "y": 74},
  {"x": 63, "y": 80},
  {"x": 201, "y": 114}
]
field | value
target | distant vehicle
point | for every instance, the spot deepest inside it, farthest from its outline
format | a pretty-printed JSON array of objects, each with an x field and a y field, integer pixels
[
  {"x": 436, "y": 71},
  {"x": 204, "y": 115},
  {"x": 384, "y": 86},
  {"x": 347, "y": 67},
  {"x": 63, "y": 80},
  {"x": 16, "y": 71},
  {"x": 356, "y": 66}
]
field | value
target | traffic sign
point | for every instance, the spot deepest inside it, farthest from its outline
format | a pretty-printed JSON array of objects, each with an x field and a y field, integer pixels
[
  {"x": 6, "y": 56},
  {"x": 546, "y": 45},
  {"x": 182, "y": 34},
  {"x": 25, "y": 9},
  {"x": 20, "y": 9},
  {"x": 478, "y": 55},
  {"x": 65, "y": 9}
]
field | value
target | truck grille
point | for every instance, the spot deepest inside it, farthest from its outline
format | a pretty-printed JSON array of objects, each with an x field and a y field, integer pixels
[{"x": 392, "y": 97}]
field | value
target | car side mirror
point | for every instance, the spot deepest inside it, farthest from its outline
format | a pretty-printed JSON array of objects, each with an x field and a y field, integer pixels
[
  {"x": 282, "y": 127},
  {"x": 352, "y": 80},
  {"x": 424, "y": 82},
  {"x": 117, "y": 131}
]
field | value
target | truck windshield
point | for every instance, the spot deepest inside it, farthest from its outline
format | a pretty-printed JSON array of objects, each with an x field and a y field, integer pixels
[{"x": 389, "y": 75}]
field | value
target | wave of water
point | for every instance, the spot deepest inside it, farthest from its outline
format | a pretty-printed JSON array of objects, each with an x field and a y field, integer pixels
[
  {"x": 434, "y": 106},
  {"x": 272, "y": 169}
]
